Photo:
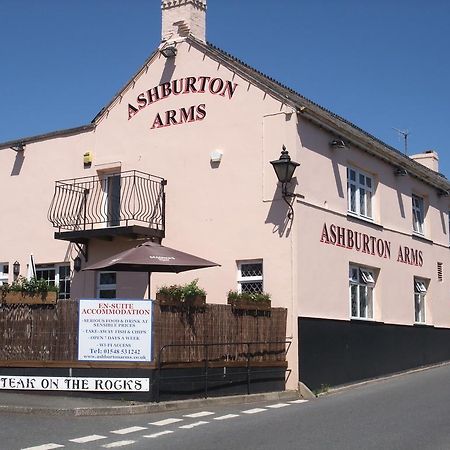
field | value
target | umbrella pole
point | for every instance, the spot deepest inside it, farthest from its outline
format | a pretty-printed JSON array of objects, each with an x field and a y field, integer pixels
[{"x": 148, "y": 288}]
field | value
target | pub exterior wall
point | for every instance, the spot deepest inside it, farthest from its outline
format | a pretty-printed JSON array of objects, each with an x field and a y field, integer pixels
[{"x": 234, "y": 211}]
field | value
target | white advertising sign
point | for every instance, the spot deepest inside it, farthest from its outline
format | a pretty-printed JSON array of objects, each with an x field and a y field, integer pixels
[
  {"x": 115, "y": 330},
  {"x": 74, "y": 384}
]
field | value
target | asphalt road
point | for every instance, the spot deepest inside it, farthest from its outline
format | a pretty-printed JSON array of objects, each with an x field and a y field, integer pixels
[{"x": 406, "y": 412}]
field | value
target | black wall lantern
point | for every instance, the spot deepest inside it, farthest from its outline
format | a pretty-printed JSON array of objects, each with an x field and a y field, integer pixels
[
  {"x": 16, "y": 269},
  {"x": 284, "y": 169},
  {"x": 77, "y": 264}
]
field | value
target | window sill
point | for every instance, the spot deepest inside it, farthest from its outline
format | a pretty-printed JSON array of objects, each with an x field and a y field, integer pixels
[
  {"x": 421, "y": 237},
  {"x": 364, "y": 220},
  {"x": 363, "y": 320},
  {"x": 422, "y": 325}
]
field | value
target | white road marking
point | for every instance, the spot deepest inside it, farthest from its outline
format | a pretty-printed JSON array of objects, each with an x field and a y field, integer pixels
[
  {"x": 155, "y": 435},
  {"x": 278, "y": 405},
  {"x": 161, "y": 423},
  {"x": 85, "y": 439},
  {"x": 228, "y": 416},
  {"x": 118, "y": 444},
  {"x": 193, "y": 425},
  {"x": 254, "y": 411},
  {"x": 129, "y": 430},
  {"x": 44, "y": 447},
  {"x": 199, "y": 414},
  {"x": 298, "y": 401}
]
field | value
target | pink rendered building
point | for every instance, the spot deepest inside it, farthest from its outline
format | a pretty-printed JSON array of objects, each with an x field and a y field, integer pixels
[{"x": 357, "y": 251}]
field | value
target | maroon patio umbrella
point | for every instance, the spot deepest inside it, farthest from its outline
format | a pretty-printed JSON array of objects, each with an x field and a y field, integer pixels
[{"x": 151, "y": 257}]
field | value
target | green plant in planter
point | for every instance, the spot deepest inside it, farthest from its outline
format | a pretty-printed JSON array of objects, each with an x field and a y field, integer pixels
[
  {"x": 182, "y": 292},
  {"x": 31, "y": 286},
  {"x": 262, "y": 297}
]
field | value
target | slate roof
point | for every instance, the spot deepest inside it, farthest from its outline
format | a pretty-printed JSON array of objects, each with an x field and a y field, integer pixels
[{"x": 336, "y": 125}]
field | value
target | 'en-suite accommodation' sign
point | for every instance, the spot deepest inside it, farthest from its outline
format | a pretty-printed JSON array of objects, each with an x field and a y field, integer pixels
[
  {"x": 115, "y": 330},
  {"x": 188, "y": 85},
  {"x": 365, "y": 243}
]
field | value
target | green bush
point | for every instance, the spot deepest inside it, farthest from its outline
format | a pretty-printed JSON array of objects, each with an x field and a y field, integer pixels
[
  {"x": 31, "y": 286},
  {"x": 182, "y": 292},
  {"x": 255, "y": 298}
]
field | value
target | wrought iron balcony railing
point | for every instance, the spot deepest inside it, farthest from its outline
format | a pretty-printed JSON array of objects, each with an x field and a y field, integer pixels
[{"x": 112, "y": 200}]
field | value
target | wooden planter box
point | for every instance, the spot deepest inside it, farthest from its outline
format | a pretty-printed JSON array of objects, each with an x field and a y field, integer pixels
[
  {"x": 165, "y": 300},
  {"x": 24, "y": 298},
  {"x": 246, "y": 305}
]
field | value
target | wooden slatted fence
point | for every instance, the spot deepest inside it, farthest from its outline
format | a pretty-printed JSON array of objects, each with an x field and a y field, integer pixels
[{"x": 49, "y": 333}]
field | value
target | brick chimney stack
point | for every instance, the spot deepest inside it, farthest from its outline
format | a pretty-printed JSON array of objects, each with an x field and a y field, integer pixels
[
  {"x": 181, "y": 18},
  {"x": 429, "y": 159}
]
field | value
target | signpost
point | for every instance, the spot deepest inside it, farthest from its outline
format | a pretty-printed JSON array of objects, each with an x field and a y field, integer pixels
[{"x": 115, "y": 330}]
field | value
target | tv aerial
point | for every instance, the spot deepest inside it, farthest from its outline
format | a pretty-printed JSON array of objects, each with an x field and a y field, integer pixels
[{"x": 405, "y": 134}]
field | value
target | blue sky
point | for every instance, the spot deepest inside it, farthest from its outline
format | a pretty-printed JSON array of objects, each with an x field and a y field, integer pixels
[{"x": 381, "y": 65}]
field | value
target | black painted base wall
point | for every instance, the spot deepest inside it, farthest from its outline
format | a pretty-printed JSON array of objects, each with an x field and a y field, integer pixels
[
  {"x": 335, "y": 352},
  {"x": 174, "y": 384}
]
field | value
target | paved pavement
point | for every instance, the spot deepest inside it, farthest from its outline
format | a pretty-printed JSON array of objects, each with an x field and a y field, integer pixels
[{"x": 32, "y": 403}]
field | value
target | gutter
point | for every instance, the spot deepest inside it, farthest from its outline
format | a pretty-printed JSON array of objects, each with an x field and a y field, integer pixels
[{"x": 47, "y": 136}]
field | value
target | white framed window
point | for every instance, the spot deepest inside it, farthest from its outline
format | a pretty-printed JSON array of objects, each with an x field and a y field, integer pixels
[
  {"x": 107, "y": 285},
  {"x": 4, "y": 272},
  {"x": 250, "y": 277},
  {"x": 417, "y": 213},
  {"x": 361, "y": 285},
  {"x": 56, "y": 275},
  {"x": 420, "y": 292},
  {"x": 360, "y": 190}
]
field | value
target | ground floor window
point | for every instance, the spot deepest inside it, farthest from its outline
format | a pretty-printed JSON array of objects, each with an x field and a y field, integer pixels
[
  {"x": 107, "y": 285},
  {"x": 4, "y": 271},
  {"x": 361, "y": 285},
  {"x": 250, "y": 277},
  {"x": 56, "y": 275},
  {"x": 420, "y": 292}
]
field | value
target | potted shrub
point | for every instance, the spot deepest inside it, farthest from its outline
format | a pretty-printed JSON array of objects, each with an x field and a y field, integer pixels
[
  {"x": 250, "y": 302},
  {"x": 28, "y": 292},
  {"x": 189, "y": 294}
]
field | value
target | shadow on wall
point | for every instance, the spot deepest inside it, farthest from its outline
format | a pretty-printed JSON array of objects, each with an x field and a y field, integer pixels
[
  {"x": 169, "y": 69},
  {"x": 320, "y": 145},
  {"x": 18, "y": 163},
  {"x": 279, "y": 211}
]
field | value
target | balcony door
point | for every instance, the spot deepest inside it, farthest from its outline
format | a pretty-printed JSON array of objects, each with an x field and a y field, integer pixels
[{"x": 112, "y": 200}]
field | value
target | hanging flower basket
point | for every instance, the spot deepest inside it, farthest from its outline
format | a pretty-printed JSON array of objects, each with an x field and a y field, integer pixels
[
  {"x": 26, "y": 298},
  {"x": 249, "y": 302},
  {"x": 28, "y": 292},
  {"x": 166, "y": 300},
  {"x": 189, "y": 294}
]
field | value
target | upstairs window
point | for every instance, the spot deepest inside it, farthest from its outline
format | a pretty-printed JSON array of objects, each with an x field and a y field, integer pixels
[
  {"x": 359, "y": 193},
  {"x": 361, "y": 285},
  {"x": 420, "y": 292},
  {"x": 250, "y": 277},
  {"x": 417, "y": 213}
]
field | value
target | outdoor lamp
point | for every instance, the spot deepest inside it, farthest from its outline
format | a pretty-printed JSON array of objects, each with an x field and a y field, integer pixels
[
  {"x": 284, "y": 169},
  {"x": 16, "y": 269},
  {"x": 169, "y": 51},
  {"x": 77, "y": 264},
  {"x": 337, "y": 143}
]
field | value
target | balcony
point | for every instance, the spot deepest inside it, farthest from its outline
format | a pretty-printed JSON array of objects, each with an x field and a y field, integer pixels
[{"x": 130, "y": 204}]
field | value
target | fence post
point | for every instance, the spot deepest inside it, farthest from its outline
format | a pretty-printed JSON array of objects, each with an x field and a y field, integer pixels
[
  {"x": 206, "y": 370},
  {"x": 248, "y": 368},
  {"x": 158, "y": 375}
]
